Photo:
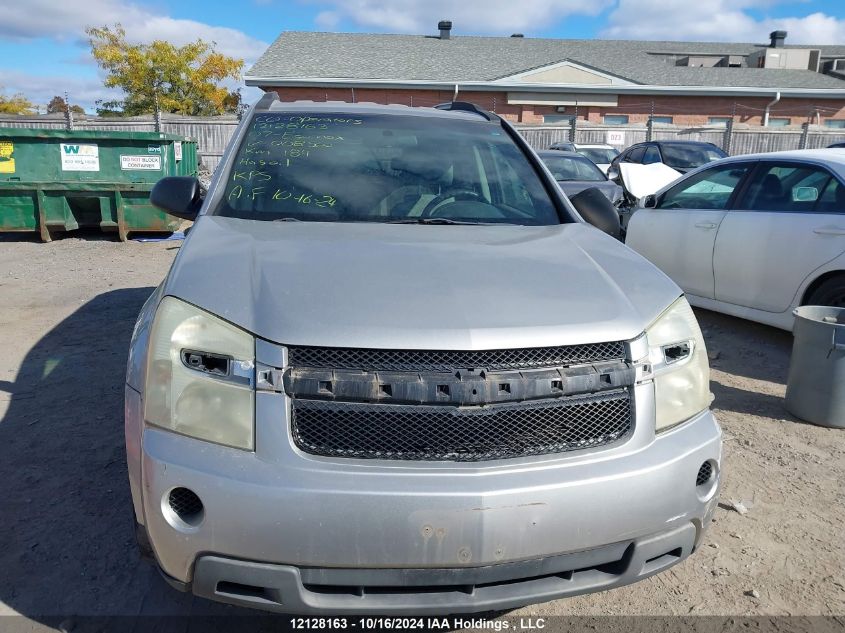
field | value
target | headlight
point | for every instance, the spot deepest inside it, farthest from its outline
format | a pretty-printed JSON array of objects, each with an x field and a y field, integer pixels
[
  {"x": 679, "y": 366},
  {"x": 199, "y": 376}
]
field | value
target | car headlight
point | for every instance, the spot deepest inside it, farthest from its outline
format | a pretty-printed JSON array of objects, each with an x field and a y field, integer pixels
[
  {"x": 200, "y": 372},
  {"x": 679, "y": 366}
]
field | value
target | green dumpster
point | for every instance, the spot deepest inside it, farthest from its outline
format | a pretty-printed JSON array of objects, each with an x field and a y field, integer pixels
[{"x": 60, "y": 180}]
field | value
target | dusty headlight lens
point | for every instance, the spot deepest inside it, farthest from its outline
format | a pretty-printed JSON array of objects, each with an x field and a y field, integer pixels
[
  {"x": 199, "y": 376},
  {"x": 679, "y": 365}
]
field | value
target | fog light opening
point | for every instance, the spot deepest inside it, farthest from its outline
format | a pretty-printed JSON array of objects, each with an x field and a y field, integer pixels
[
  {"x": 186, "y": 506},
  {"x": 705, "y": 474}
]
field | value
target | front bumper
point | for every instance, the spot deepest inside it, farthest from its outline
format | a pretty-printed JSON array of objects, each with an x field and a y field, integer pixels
[
  {"x": 289, "y": 589},
  {"x": 291, "y": 532}
]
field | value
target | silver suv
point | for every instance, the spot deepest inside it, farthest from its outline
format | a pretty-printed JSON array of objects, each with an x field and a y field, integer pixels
[{"x": 392, "y": 370}]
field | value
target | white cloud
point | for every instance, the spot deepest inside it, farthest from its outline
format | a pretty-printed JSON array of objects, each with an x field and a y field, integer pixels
[
  {"x": 468, "y": 17},
  {"x": 66, "y": 21},
  {"x": 229, "y": 41},
  {"x": 716, "y": 20},
  {"x": 41, "y": 88}
]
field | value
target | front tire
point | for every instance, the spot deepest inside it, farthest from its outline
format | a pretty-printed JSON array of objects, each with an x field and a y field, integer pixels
[{"x": 831, "y": 292}]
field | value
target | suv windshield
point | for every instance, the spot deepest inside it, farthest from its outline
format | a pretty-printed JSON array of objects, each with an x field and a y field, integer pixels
[
  {"x": 341, "y": 167},
  {"x": 690, "y": 156}
]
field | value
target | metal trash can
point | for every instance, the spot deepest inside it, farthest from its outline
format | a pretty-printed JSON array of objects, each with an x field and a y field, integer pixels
[
  {"x": 60, "y": 180},
  {"x": 815, "y": 389}
]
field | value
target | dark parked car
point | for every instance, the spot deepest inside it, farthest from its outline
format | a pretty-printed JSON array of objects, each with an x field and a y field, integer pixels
[
  {"x": 682, "y": 156},
  {"x": 574, "y": 173},
  {"x": 836, "y": 146}
]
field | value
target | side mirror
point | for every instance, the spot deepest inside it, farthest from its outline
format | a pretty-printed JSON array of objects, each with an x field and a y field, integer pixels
[
  {"x": 178, "y": 195},
  {"x": 612, "y": 173},
  {"x": 596, "y": 209},
  {"x": 649, "y": 201}
]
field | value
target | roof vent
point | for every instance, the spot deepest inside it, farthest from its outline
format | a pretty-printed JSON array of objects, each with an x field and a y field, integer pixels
[
  {"x": 517, "y": 35},
  {"x": 777, "y": 38},
  {"x": 445, "y": 27}
]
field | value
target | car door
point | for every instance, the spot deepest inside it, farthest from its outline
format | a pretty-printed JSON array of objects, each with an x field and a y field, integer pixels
[
  {"x": 788, "y": 221},
  {"x": 679, "y": 233}
]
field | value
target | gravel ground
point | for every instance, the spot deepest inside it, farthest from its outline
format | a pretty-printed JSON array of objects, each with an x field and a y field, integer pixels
[{"x": 66, "y": 544}]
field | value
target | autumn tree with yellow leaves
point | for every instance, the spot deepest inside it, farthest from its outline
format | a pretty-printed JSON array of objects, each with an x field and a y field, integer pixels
[
  {"x": 15, "y": 104},
  {"x": 177, "y": 79}
]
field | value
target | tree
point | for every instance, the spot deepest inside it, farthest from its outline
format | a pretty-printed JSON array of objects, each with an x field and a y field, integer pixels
[
  {"x": 181, "y": 79},
  {"x": 15, "y": 104},
  {"x": 58, "y": 104}
]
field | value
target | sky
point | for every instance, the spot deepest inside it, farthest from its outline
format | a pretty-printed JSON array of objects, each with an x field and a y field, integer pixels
[{"x": 44, "y": 52}]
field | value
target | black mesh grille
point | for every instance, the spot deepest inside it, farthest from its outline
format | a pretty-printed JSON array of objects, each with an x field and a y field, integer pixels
[
  {"x": 373, "y": 431},
  {"x": 446, "y": 360},
  {"x": 184, "y": 503},
  {"x": 704, "y": 474}
]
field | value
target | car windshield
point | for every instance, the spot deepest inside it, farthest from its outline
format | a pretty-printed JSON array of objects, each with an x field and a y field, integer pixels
[
  {"x": 565, "y": 168},
  {"x": 342, "y": 167},
  {"x": 690, "y": 156},
  {"x": 599, "y": 155}
]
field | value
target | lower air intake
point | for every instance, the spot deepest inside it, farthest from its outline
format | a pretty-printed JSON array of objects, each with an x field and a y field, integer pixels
[{"x": 704, "y": 474}]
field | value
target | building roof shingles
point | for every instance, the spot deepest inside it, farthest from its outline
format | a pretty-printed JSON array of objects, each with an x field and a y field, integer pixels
[{"x": 482, "y": 59}]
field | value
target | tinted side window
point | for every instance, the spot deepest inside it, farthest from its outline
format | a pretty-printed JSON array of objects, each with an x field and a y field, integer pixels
[
  {"x": 635, "y": 155},
  {"x": 651, "y": 155},
  {"x": 709, "y": 189},
  {"x": 782, "y": 187},
  {"x": 832, "y": 199}
]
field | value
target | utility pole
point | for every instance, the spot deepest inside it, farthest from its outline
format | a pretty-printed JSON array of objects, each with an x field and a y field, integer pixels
[
  {"x": 729, "y": 128},
  {"x": 649, "y": 126},
  {"x": 68, "y": 113},
  {"x": 157, "y": 113}
]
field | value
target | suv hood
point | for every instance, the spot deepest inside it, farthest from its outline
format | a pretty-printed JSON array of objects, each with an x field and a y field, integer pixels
[{"x": 418, "y": 286}]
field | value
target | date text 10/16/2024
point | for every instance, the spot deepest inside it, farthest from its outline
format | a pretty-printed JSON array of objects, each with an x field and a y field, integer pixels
[{"x": 414, "y": 623}]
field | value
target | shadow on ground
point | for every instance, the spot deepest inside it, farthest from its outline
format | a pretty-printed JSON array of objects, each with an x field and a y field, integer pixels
[
  {"x": 85, "y": 233},
  {"x": 66, "y": 535},
  {"x": 745, "y": 348}
]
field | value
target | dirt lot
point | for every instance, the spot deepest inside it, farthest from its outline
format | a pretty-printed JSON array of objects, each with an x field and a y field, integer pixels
[{"x": 66, "y": 543}]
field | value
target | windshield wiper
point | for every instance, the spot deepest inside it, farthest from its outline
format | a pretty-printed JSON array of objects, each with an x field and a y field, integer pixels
[
  {"x": 440, "y": 221},
  {"x": 287, "y": 220}
]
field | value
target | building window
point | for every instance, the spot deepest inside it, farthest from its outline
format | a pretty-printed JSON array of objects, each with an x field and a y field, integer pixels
[
  {"x": 779, "y": 121},
  {"x": 616, "y": 119},
  {"x": 557, "y": 119},
  {"x": 837, "y": 123},
  {"x": 718, "y": 120},
  {"x": 665, "y": 120}
]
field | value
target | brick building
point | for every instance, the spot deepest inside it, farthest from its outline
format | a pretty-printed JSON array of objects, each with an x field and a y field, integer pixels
[{"x": 546, "y": 81}]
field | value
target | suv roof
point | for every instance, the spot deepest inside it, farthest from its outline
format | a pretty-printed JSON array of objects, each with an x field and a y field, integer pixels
[
  {"x": 683, "y": 143},
  {"x": 456, "y": 109},
  {"x": 560, "y": 153}
]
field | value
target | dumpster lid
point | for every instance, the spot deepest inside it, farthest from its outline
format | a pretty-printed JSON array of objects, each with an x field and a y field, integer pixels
[{"x": 24, "y": 132}]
